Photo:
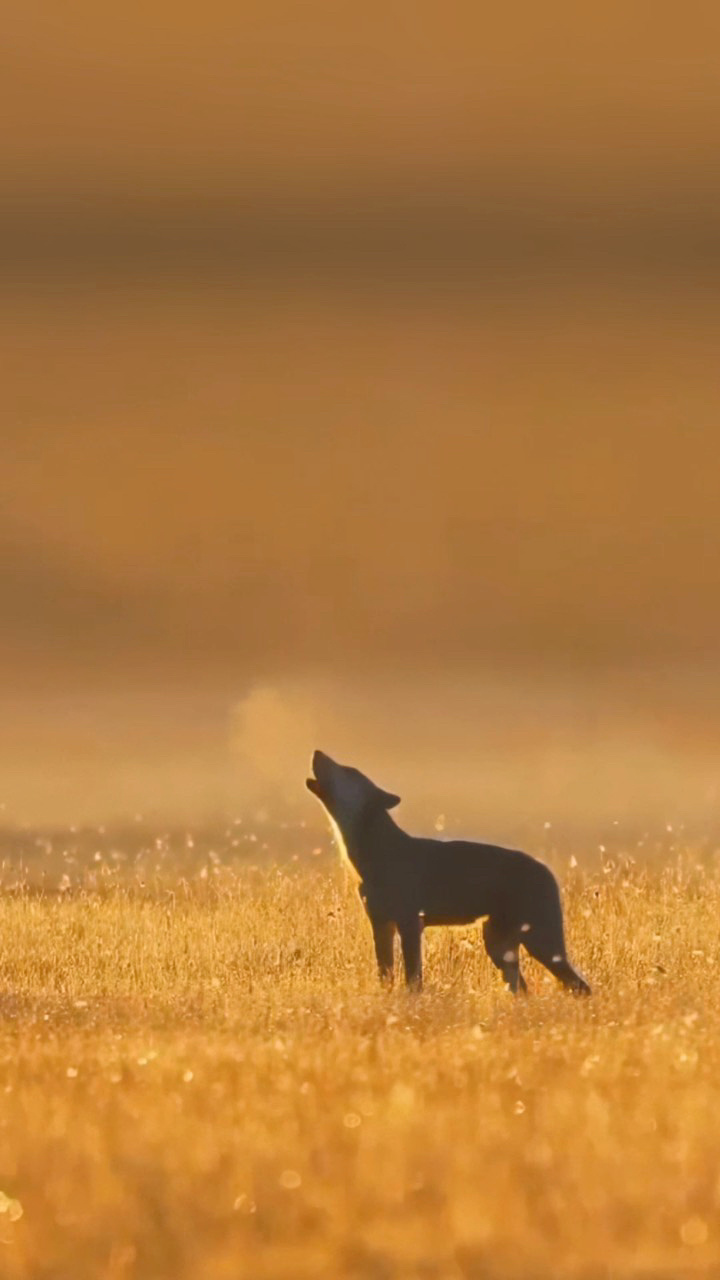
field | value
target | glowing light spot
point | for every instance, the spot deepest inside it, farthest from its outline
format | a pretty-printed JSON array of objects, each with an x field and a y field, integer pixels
[
  {"x": 510, "y": 957},
  {"x": 11, "y": 1207},
  {"x": 557, "y": 959},
  {"x": 187, "y": 1076},
  {"x": 71, "y": 1073},
  {"x": 290, "y": 1180},
  {"x": 694, "y": 1231},
  {"x": 402, "y": 1097},
  {"x": 351, "y": 1120},
  {"x": 525, "y": 928}
]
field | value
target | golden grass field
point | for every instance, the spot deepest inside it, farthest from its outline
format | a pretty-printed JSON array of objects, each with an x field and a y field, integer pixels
[{"x": 200, "y": 1078}]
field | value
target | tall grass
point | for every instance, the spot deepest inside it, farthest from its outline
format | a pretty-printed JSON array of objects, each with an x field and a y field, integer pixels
[{"x": 201, "y": 1080}]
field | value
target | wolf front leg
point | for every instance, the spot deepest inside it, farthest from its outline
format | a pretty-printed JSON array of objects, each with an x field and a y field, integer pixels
[
  {"x": 411, "y": 939},
  {"x": 384, "y": 937}
]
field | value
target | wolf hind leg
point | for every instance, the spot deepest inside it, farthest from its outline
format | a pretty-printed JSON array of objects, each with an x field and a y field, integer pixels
[
  {"x": 503, "y": 947},
  {"x": 411, "y": 939},
  {"x": 548, "y": 947},
  {"x": 544, "y": 936}
]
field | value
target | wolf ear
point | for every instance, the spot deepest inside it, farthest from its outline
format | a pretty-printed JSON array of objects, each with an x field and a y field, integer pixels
[{"x": 387, "y": 799}]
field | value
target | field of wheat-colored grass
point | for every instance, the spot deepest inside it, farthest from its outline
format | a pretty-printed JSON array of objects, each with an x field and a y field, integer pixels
[{"x": 201, "y": 1080}]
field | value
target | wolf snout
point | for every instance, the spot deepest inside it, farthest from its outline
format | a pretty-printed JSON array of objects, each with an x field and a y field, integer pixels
[
  {"x": 321, "y": 765},
  {"x": 320, "y": 762}
]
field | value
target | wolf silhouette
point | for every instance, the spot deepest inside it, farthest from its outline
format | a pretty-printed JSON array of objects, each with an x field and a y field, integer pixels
[{"x": 408, "y": 883}]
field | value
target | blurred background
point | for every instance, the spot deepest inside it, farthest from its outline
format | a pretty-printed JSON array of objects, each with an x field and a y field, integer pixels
[{"x": 360, "y": 388}]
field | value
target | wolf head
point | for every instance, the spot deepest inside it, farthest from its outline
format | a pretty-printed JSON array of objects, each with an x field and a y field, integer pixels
[{"x": 345, "y": 792}]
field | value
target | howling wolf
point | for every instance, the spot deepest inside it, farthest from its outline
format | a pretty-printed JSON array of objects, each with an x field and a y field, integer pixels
[{"x": 408, "y": 883}]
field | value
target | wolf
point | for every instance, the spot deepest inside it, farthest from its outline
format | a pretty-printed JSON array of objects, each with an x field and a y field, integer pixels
[{"x": 408, "y": 883}]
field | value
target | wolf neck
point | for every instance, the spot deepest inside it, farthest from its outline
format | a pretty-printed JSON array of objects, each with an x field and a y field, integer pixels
[{"x": 359, "y": 838}]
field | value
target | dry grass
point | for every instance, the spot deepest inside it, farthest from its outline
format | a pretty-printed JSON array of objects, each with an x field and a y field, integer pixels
[{"x": 201, "y": 1080}]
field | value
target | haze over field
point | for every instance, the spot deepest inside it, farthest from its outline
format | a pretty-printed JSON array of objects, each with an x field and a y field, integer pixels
[{"x": 360, "y": 385}]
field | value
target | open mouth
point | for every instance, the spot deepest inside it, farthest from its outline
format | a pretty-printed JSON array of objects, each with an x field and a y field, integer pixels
[
  {"x": 319, "y": 765},
  {"x": 314, "y": 786}
]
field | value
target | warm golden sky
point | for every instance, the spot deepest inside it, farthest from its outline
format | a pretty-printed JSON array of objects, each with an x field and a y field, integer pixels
[
  {"x": 372, "y": 340},
  {"x": 285, "y": 93}
]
